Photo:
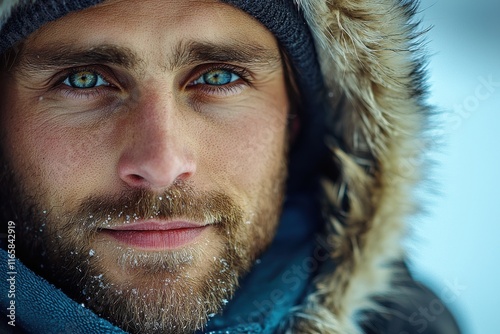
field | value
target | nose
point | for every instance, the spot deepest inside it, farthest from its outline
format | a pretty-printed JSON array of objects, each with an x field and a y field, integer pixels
[{"x": 157, "y": 151}]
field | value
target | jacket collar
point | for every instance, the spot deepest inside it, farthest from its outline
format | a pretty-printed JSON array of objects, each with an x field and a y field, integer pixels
[{"x": 281, "y": 278}]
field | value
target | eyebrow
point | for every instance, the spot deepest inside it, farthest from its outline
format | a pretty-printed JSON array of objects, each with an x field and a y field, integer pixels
[
  {"x": 184, "y": 54},
  {"x": 52, "y": 57},
  {"x": 193, "y": 52}
]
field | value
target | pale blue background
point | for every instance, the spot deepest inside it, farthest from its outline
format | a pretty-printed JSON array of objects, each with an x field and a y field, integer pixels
[{"x": 457, "y": 242}]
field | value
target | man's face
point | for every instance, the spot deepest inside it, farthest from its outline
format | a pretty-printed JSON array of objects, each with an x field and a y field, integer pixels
[{"x": 145, "y": 143}]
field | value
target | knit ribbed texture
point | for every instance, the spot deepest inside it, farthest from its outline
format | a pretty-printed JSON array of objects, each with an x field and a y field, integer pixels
[
  {"x": 283, "y": 19},
  {"x": 27, "y": 17}
]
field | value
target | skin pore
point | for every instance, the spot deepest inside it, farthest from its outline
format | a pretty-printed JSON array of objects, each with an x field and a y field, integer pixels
[{"x": 138, "y": 115}]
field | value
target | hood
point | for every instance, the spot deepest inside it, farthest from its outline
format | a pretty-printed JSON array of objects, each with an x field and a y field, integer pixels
[
  {"x": 376, "y": 121},
  {"x": 375, "y": 118}
]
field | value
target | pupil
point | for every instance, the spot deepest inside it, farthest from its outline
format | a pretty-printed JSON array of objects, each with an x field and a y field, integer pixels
[
  {"x": 83, "y": 80},
  {"x": 218, "y": 77}
]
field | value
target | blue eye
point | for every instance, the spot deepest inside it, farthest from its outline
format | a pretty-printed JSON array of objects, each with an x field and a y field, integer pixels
[
  {"x": 85, "y": 80},
  {"x": 218, "y": 77}
]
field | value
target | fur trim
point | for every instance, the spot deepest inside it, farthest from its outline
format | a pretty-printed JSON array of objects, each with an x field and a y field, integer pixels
[
  {"x": 366, "y": 52},
  {"x": 5, "y": 10},
  {"x": 6, "y": 7}
]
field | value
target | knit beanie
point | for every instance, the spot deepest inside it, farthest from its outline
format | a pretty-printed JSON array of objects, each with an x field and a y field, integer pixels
[{"x": 281, "y": 17}]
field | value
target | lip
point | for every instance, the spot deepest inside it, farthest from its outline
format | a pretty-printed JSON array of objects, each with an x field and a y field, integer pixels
[{"x": 156, "y": 235}]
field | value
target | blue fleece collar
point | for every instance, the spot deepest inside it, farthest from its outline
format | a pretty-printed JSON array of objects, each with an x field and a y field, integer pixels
[
  {"x": 42, "y": 308},
  {"x": 280, "y": 279}
]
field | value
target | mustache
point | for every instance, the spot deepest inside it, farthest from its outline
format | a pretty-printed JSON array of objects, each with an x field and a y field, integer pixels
[{"x": 180, "y": 201}]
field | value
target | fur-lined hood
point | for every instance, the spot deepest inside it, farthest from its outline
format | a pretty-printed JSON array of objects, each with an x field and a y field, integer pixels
[
  {"x": 375, "y": 124},
  {"x": 368, "y": 57}
]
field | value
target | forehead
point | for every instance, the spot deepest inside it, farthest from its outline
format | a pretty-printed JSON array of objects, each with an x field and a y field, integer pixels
[{"x": 154, "y": 25}]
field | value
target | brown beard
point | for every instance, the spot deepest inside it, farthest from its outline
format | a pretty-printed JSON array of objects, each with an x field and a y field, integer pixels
[{"x": 166, "y": 299}]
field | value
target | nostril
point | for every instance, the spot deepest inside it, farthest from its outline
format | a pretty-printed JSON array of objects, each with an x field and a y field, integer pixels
[{"x": 134, "y": 178}]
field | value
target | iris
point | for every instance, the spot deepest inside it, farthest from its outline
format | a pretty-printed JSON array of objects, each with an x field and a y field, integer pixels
[
  {"x": 85, "y": 80},
  {"x": 217, "y": 77}
]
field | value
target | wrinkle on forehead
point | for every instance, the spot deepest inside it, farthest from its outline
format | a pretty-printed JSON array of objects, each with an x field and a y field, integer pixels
[
  {"x": 174, "y": 38},
  {"x": 176, "y": 8}
]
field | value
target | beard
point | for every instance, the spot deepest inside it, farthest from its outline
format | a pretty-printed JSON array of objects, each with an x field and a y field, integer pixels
[{"x": 170, "y": 291}]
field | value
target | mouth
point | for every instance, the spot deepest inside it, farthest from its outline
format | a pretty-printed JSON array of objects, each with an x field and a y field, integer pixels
[{"x": 156, "y": 235}]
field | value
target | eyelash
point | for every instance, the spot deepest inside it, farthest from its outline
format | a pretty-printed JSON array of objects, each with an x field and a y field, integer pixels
[
  {"x": 100, "y": 91},
  {"x": 225, "y": 90},
  {"x": 87, "y": 93}
]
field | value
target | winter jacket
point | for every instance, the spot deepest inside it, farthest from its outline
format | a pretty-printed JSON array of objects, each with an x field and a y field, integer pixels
[{"x": 345, "y": 271}]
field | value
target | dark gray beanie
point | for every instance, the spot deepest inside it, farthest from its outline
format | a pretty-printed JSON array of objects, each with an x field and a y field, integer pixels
[{"x": 281, "y": 17}]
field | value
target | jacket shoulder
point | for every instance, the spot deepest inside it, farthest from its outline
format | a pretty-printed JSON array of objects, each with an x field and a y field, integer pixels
[{"x": 417, "y": 310}]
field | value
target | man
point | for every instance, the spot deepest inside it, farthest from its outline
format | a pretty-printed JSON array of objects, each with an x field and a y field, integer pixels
[{"x": 182, "y": 166}]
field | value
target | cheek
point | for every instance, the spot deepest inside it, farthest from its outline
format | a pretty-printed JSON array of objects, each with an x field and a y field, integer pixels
[
  {"x": 249, "y": 150},
  {"x": 64, "y": 163},
  {"x": 256, "y": 149}
]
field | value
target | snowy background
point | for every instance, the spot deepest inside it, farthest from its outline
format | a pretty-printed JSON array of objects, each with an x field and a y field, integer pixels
[{"x": 455, "y": 247}]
